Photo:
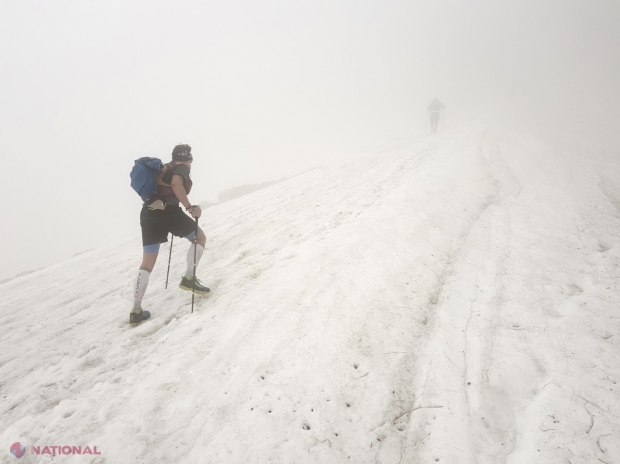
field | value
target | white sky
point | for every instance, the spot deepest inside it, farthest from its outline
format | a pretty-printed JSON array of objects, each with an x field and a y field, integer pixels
[{"x": 266, "y": 89}]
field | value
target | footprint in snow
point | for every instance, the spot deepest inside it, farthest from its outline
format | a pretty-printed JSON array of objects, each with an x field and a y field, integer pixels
[
  {"x": 602, "y": 247},
  {"x": 574, "y": 289}
]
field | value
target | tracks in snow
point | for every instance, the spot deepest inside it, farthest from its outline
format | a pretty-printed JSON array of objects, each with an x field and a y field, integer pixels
[{"x": 453, "y": 371}]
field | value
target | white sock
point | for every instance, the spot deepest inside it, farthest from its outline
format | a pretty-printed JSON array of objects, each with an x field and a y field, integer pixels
[
  {"x": 189, "y": 273},
  {"x": 139, "y": 289}
]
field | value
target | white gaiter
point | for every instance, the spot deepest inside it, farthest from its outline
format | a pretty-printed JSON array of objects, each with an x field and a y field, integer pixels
[
  {"x": 139, "y": 289},
  {"x": 189, "y": 273}
]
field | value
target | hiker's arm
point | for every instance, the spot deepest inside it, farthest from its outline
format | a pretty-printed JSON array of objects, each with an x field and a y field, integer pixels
[{"x": 179, "y": 190}]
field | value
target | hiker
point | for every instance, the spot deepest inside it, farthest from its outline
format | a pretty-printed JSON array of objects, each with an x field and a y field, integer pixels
[
  {"x": 435, "y": 109},
  {"x": 162, "y": 214}
]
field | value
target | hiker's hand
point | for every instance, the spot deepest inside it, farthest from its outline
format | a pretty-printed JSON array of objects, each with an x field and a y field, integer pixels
[{"x": 195, "y": 211}]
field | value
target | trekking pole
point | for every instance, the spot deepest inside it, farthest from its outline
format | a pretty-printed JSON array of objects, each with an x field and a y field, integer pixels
[
  {"x": 169, "y": 257},
  {"x": 195, "y": 249}
]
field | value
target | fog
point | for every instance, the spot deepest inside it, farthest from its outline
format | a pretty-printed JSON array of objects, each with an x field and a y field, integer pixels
[{"x": 268, "y": 89}]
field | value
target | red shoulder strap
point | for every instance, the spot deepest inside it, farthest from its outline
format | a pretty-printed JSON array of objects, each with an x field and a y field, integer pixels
[{"x": 160, "y": 178}]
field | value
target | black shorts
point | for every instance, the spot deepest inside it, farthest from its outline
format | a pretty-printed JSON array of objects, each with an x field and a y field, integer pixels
[{"x": 157, "y": 224}]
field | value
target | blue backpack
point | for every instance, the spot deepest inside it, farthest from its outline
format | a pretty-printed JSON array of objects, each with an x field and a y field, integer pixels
[{"x": 144, "y": 175}]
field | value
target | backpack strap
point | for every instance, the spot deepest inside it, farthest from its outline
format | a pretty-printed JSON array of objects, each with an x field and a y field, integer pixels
[{"x": 160, "y": 178}]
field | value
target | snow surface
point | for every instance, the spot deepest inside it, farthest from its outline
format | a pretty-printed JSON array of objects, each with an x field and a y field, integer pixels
[{"x": 452, "y": 301}]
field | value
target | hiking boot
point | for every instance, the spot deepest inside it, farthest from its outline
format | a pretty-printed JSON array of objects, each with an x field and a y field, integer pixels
[
  {"x": 195, "y": 285},
  {"x": 136, "y": 318}
]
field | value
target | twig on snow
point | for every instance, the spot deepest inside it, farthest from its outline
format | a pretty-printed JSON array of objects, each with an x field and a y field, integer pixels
[
  {"x": 378, "y": 426},
  {"x": 591, "y": 425},
  {"x": 593, "y": 404},
  {"x": 592, "y": 421},
  {"x": 598, "y": 443},
  {"x": 320, "y": 443},
  {"x": 415, "y": 409},
  {"x": 446, "y": 354},
  {"x": 447, "y": 331},
  {"x": 547, "y": 384}
]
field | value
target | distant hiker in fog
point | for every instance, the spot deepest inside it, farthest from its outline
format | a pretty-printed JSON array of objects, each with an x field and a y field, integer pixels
[
  {"x": 435, "y": 109},
  {"x": 162, "y": 215}
]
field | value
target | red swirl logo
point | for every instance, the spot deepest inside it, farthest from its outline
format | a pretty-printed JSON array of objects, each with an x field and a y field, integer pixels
[{"x": 18, "y": 450}]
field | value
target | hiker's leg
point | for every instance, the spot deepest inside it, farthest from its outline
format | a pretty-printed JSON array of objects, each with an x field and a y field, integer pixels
[
  {"x": 184, "y": 226},
  {"x": 434, "y": 121},
  {"x": 201, "y": 238},
  {"x": 142, "y": 279},
  {"x": 196, "y": 249},
  {"x": 149, "y": 258},
  {"x": 154, "y": 232}
]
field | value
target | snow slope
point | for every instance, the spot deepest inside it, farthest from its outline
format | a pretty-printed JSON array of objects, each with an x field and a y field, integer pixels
[{"x": 452, "y": 301}]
